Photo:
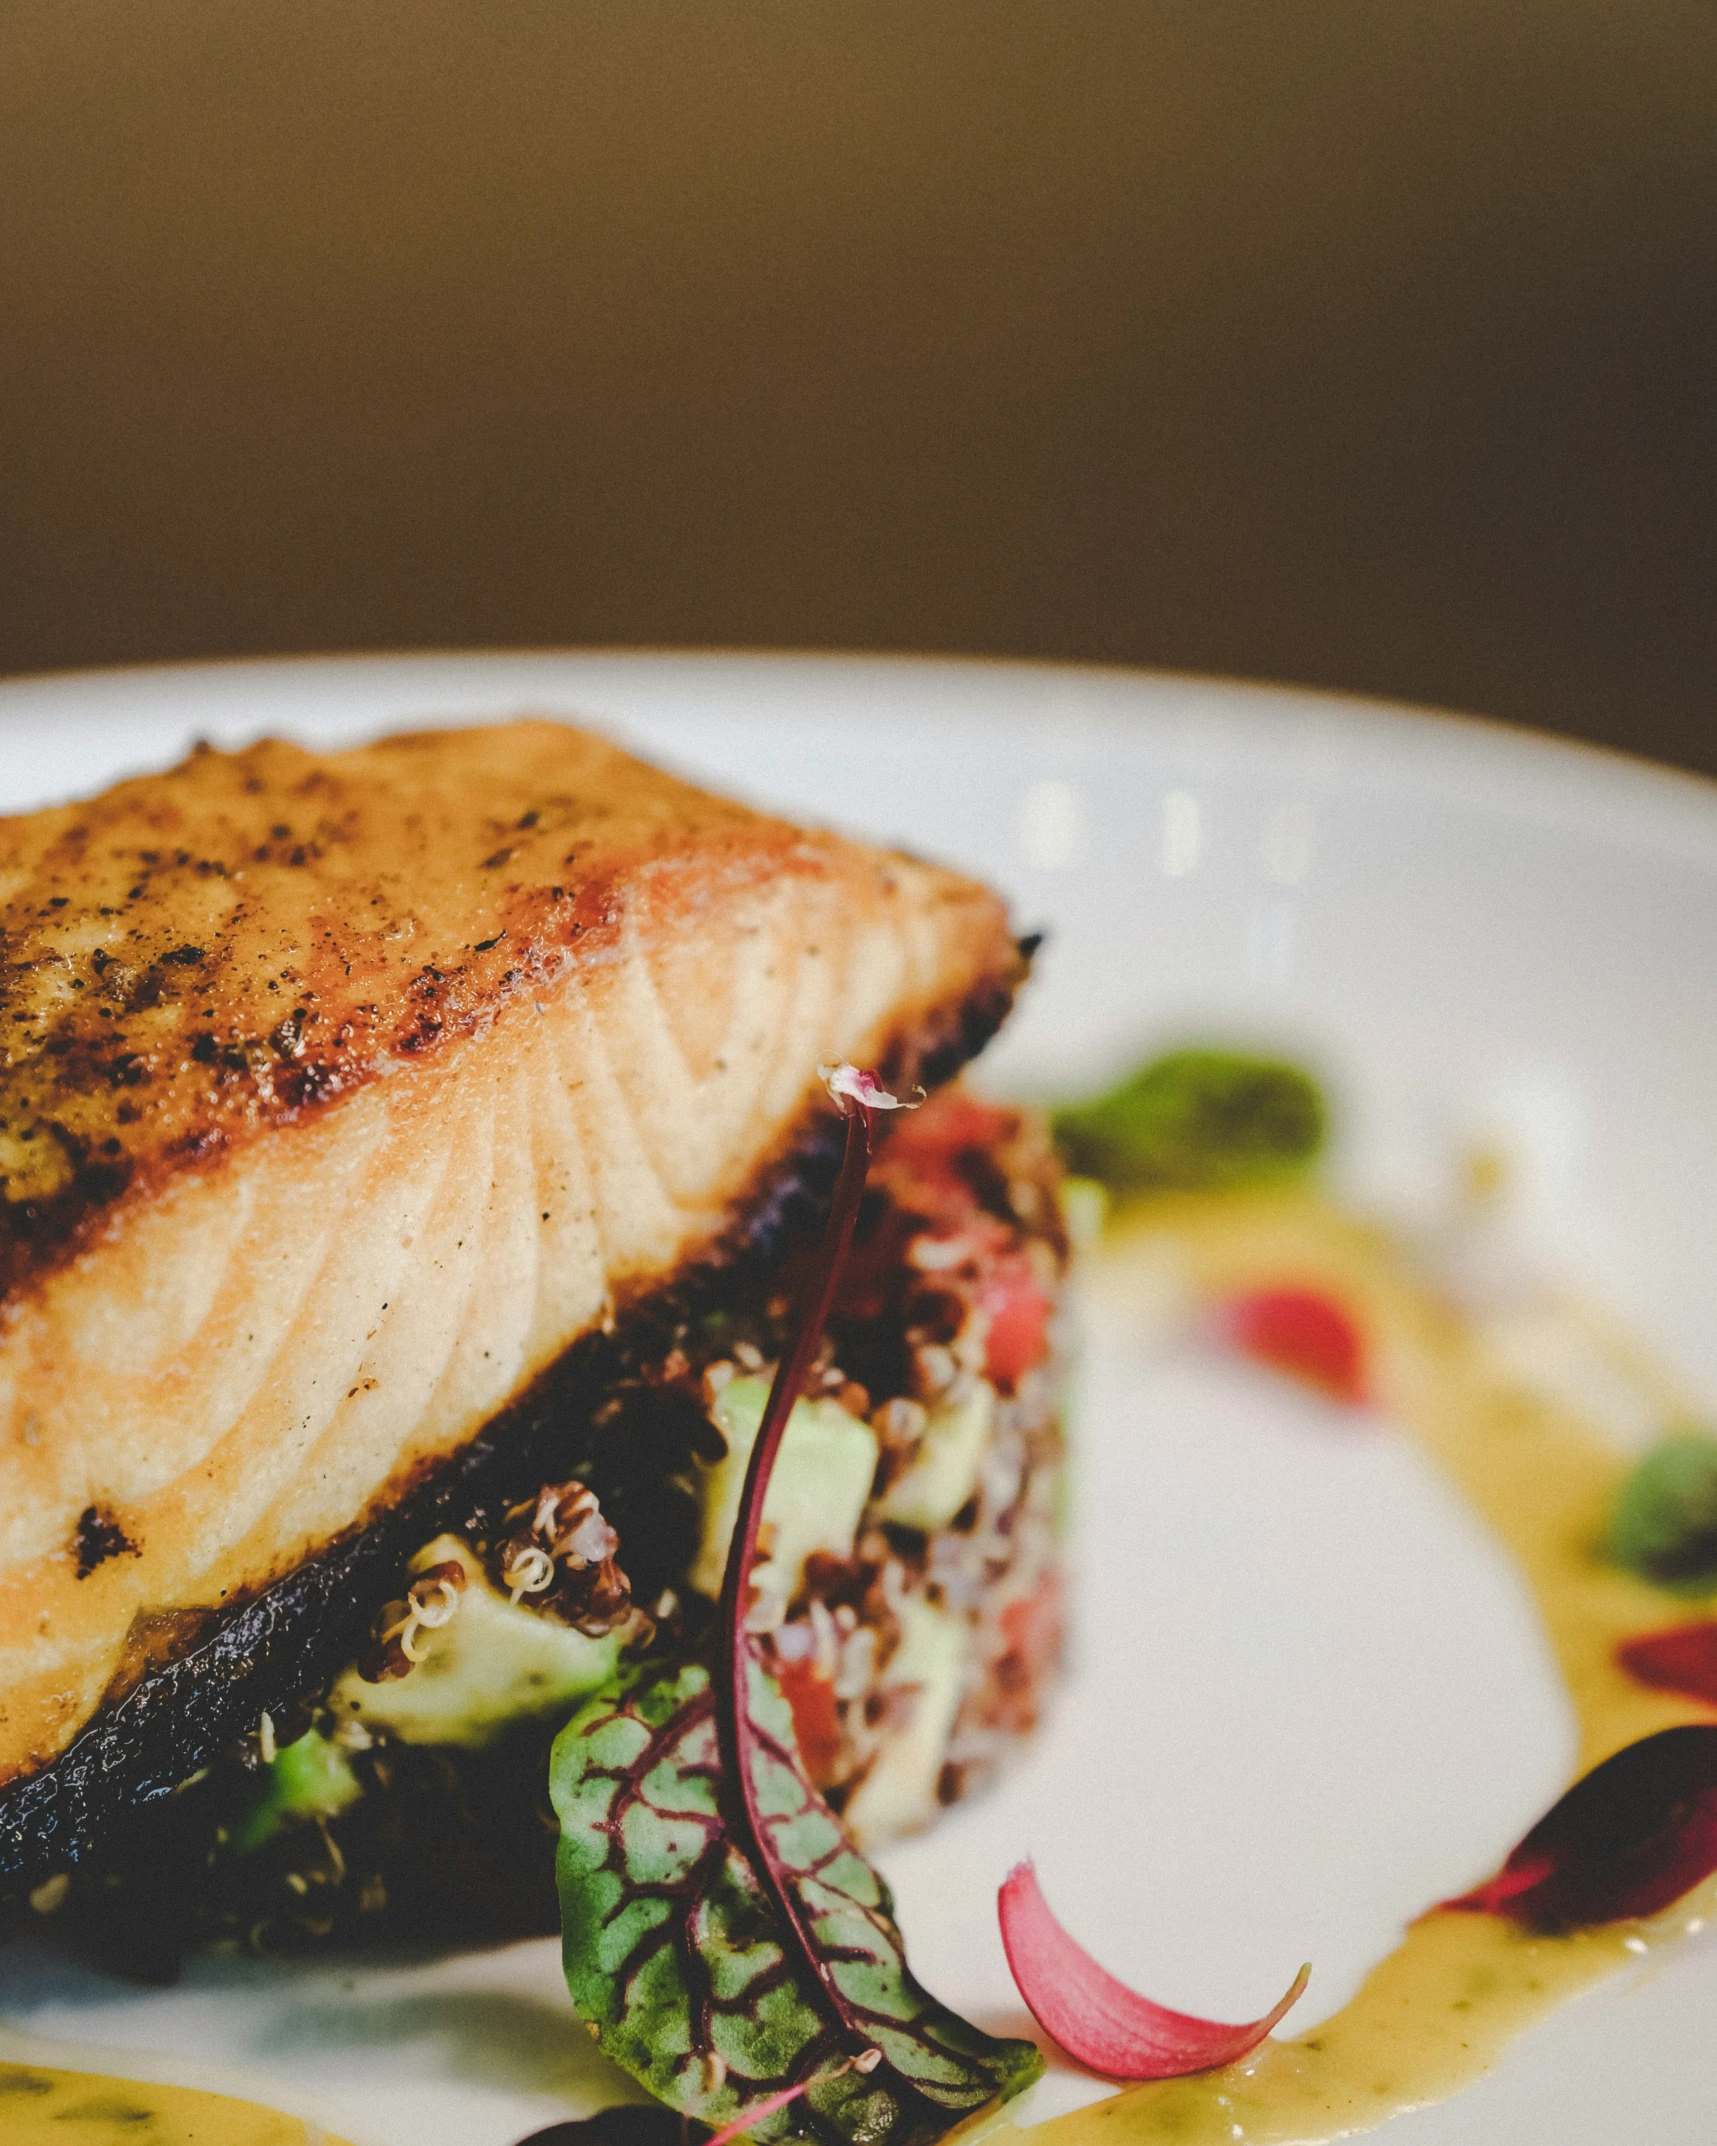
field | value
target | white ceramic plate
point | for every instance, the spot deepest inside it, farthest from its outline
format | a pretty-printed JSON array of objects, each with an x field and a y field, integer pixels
[{"x": 1310, "y": 1697}]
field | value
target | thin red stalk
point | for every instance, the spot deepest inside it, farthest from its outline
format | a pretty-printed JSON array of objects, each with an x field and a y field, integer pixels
[
  {"x": 734, "y": 1727},
  {"x": 764, "y": 2109}
]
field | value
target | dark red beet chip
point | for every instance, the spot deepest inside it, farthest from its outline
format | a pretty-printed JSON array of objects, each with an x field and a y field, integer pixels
[
  {"x": 1627, "y": 1839},
  {"x": 628, "y": 2125},
  {"x": 1682, "y": 1659}
]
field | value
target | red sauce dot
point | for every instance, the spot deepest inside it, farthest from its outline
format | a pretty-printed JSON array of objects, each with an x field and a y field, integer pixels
[
  {"x": 1305, "y": 1334},
  {"x": 1682, "y": 1659}
]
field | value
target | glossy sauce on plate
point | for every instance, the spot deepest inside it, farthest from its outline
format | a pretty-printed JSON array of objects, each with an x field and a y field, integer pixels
[
  {"x": 43, "y": 2106},
  {"x": 1441, "y": 2008}
]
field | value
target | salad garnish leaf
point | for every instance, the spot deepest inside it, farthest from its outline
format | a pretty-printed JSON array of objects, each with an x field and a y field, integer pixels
[
  {"x": 1198, "y": 1120},
  {"x": 1098, "y": 2020},
  {"x": 677, "y": 1954},
  {"x": 723, "y": 1939},
  {"x": 1682, "y": 1659},
  {"x": 1664, "y": 1527},
  {"x": 1626, "y": 1840},
  {"x": 672, "y": 1953}
]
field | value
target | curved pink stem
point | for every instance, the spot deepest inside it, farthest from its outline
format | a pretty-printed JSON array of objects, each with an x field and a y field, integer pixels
[
  {"x": 1099, "y": 2021},
  {"x": 734, "y": 1727}
]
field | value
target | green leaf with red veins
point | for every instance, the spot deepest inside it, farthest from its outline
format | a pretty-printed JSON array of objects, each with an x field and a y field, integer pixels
[
  {"x": 676, "y": 1954},
  {"x": 720, "y": 1932}
]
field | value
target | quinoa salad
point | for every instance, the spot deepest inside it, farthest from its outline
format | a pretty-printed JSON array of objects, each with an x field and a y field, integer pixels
[{"x": 908, "y": 1598}]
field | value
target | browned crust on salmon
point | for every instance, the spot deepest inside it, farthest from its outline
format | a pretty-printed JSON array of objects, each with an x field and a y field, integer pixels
[
  {"x": 195, "y": 958},
  {"x": 319, "y": 1147}
]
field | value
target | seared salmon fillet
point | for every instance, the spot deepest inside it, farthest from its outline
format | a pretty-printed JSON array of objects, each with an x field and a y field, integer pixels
[{"x": 343, "y": 1099}]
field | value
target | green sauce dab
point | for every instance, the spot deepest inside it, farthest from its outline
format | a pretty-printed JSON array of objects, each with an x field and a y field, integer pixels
[
  {"x": 1198, "y": 1120},
  {"x": 1664, "y": 1525}
]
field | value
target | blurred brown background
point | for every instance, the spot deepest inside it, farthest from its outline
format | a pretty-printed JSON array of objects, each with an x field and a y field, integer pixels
[{"x": 1367, "y": 345}]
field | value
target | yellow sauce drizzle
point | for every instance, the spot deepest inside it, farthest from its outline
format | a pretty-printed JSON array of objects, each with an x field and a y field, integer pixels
[
  {"x": 40, "y": 2106},
  {"x": 1440, "y": 2009}
]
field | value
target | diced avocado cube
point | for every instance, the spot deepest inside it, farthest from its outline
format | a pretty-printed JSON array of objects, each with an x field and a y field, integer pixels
[
  {"x": 817, "y": 1494},
  {"x": 307, "y": 1778},
  {"x": 493, "y": 1665},
  {"x": 899, "y": 1793},
  {"x": 1085, "y": 1205},
  {"x": 943, "y": 1473}
]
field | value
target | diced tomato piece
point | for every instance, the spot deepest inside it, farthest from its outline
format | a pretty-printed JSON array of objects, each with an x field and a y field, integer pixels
[
  {"x": 926, "y": 1158},
  {"x": 1018, "y": 1334},
  {"x": 950, "y": 1121},
  {"x": 808, "y": 1690},
  {"x": 1304, "y": 1333},
  {"x": 1031, "y": 1629}
]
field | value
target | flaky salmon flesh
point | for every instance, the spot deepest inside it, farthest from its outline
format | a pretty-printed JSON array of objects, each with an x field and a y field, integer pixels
[{"x": 341, "y": 1094}]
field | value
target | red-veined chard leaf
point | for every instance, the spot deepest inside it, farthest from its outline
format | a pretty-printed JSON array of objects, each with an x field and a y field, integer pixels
[
  {"x": 721, "y": 1935},
  {"x": 678, "y": 1957},
  {"x": 1627, "y": 1839}
]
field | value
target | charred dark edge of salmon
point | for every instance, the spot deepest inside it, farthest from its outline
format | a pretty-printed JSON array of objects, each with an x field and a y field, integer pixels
[{"x": 170, "y": 1716}]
